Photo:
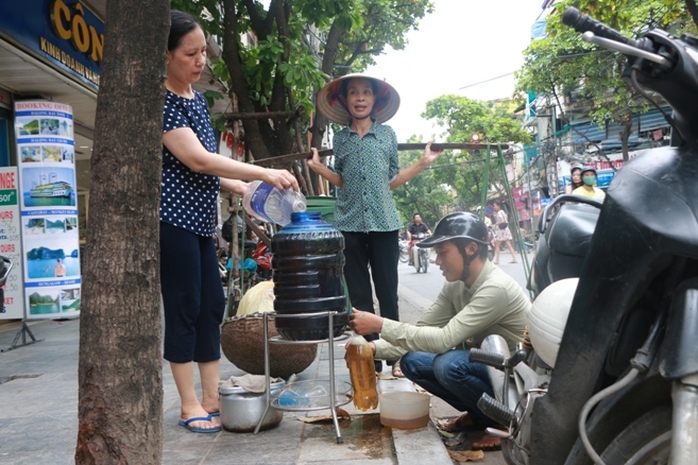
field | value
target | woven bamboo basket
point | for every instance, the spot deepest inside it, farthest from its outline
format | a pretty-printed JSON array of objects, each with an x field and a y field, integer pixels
[{"x": 242, "y": 341}]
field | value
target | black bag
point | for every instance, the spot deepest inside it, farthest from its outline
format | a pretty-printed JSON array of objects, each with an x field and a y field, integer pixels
[
  {"x": 503, "y": 225},
  {"x": 227, "y": 228}
]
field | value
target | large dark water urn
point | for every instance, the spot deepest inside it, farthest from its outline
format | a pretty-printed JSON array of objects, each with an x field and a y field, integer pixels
[{"x": 308, "y": 266}]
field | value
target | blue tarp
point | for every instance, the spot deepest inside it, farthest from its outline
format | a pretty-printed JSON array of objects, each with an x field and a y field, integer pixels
[{"x": 589, "y": 129}]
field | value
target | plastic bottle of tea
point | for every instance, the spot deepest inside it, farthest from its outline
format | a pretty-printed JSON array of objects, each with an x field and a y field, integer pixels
[{"x": 359, "y": 358}]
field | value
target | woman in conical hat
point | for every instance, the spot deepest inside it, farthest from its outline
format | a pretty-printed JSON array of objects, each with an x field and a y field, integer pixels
[{"x": 365, "y": 172}]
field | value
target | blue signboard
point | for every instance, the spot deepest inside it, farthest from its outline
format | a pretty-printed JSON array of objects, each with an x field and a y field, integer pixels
[
  {"x": 63, "y": 33},
  {"x": 604, "y": 178}
]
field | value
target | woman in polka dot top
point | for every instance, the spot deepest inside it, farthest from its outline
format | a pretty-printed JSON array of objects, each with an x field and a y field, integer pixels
[{"x": 192, "y": 176}]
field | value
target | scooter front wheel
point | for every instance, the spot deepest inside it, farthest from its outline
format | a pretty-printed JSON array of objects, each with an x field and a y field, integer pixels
[
  {"x": 646, "y": 440},
  {"x": 404, "y": 258},
  {"x": 424, "y": 259}
]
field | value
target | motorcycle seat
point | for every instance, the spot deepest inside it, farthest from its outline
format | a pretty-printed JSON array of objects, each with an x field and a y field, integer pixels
[
  {"x": 571, "y": 229},
  {"x": 564, "y": 245}
]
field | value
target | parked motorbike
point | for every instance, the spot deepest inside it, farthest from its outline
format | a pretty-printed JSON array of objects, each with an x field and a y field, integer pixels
[
  {"x": 5, "y": 268},
  {"x": 420, "y": 255},
  {"x": 609, "y": 371},
  {"x": 262, "y": 257},
  {"x": 404, "y": 257},
  {"x": 490, "y": 245}
]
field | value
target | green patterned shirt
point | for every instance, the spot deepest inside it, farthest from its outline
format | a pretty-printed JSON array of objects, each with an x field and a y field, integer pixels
[{"x": 367, "y": 166}]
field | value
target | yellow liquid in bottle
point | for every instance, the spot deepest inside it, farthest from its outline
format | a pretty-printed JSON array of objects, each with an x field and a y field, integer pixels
[{"x": 359, "y": 358}]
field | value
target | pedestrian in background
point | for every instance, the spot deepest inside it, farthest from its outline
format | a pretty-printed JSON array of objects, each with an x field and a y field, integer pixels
[
  {"x": 502, "y": 233},
  {"x": 576, "y": 178}
]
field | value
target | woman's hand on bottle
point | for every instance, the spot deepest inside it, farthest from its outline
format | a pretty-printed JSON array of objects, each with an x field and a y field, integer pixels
[
  {"x": 363, "y": 323},
  {"x": 281, "y": 179}
]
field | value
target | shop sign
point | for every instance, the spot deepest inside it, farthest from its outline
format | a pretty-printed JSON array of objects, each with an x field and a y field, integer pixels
[{"x": 63, "y": 33}]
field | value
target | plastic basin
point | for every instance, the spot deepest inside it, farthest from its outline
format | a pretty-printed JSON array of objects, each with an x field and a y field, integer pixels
[{"x": 404, "y": 410}]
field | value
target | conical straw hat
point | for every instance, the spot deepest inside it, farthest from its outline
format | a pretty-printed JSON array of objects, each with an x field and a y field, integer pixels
[{"x": 331, "y": 102}]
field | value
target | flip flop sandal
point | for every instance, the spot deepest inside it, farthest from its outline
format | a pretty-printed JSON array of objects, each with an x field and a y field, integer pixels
[
  {"x": 489, "y": 448},
  {"x": 194, "y": 429},
  {"x": 442, "y": 424}
]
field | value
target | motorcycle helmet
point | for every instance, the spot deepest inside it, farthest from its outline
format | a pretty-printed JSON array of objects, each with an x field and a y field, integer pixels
[
  {"x": 463, "y": 225},
  {"x": 576, "y": 166},
  {"x": 548, "y": 318},
  {"x": 588, "y": 168}
]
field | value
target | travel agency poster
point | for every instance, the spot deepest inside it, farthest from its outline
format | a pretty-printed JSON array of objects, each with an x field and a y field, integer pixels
[
  {"x": 10, "y": 245},
  {"x": 48, "y": 209}
]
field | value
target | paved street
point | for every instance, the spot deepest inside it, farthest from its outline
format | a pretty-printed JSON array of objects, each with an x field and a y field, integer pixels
[{"x": 38, "y": 412}]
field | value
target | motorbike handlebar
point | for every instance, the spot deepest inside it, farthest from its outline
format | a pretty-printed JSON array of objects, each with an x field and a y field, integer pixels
[
  {"x": 657, "y": 61},
  {"x": 582, "y": 23}
]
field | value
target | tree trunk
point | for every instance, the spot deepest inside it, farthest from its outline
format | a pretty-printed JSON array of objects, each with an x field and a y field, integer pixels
[
  {"x": 693, "y": 10},
  {"x": 625, "y": 137},
  {"x": 120, "y": 365}
]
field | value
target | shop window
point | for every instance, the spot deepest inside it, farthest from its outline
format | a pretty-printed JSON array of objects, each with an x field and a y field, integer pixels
[{"x": 5, "y": 138}]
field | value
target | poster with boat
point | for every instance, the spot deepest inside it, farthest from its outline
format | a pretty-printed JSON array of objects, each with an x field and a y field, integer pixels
[{"x": 48, "y": 209}]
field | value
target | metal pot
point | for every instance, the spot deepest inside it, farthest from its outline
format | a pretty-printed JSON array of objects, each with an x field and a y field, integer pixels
[{"x": 242, "y": 409}]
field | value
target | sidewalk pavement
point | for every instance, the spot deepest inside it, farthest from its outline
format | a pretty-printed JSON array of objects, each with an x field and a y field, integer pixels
[{"x": 38, "y": 414}]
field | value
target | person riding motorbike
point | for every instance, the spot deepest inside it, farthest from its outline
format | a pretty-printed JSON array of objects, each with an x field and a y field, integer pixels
[
  {"x": 413, "y": 231},
  {"x": 588, "y": 188},
  {"x": 576, "y": 178},
  {"x": 477, "y": 299}
]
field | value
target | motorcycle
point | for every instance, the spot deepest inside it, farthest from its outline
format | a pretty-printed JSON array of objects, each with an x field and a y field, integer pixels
[
  {"x": 5, "y": 267},
  {"x": 490, "y": 244},
  {"x": 608, "y": 373},
  {"x": 404, "y": 257},
  {"x": 420, "y": 255}
]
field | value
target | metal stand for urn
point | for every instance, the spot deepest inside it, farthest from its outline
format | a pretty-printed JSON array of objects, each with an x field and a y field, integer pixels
[{"x": 280, "y": 340}]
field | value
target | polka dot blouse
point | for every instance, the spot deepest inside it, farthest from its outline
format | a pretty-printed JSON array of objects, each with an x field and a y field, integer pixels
[{"x": 188, "y": 199}]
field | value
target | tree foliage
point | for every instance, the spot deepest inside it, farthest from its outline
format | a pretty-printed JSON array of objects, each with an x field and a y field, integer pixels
[
  {"x": 298, "y": 46},
  {"x": 561, "y": 62},
  {"x": 462, "y": 117},
  {"x": 423, "y": 194},
  {"x": 458, "y": 178}
]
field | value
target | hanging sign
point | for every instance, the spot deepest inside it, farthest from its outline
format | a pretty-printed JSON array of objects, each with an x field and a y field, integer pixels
[
  {"x": 48, "y": 208},
  {"x": 10, "y": 244}
]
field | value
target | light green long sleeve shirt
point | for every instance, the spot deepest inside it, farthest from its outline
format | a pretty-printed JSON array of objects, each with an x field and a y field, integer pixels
[{"x": 461, "y": 314}]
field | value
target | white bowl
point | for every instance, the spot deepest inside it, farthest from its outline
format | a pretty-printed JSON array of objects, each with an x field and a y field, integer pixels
[{"x": 404, "y": 410}]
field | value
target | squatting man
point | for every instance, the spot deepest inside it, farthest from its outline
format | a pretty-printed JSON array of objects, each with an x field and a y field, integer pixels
[{"x": 478, "y": 299}]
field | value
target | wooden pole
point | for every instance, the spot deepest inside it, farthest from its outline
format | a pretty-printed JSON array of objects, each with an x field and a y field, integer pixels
[{"x": 283, "y": 159}]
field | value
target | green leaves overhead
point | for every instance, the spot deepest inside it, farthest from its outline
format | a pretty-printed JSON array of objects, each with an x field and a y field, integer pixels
[
  {"x": 278, "y": 57},
  {"x": 561, "y": 63},
  {"x": 462, "y": 117}
]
